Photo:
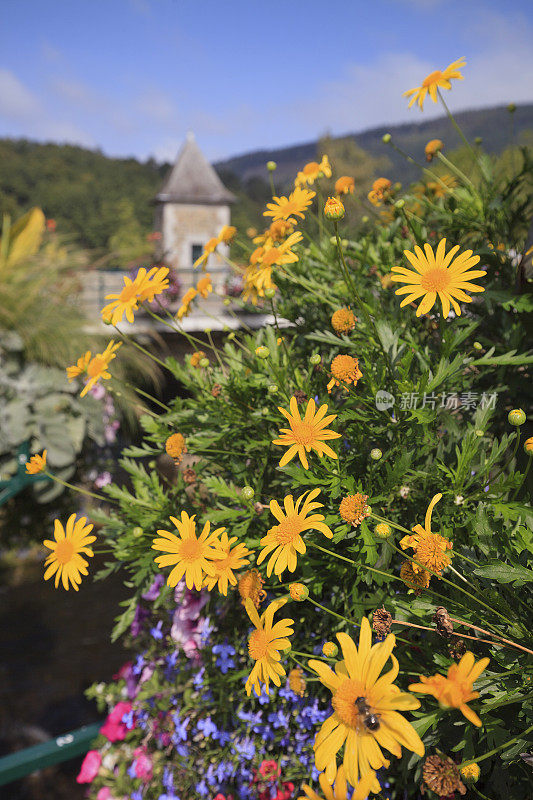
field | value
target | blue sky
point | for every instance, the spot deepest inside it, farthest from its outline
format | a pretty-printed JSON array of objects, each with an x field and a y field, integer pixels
[{"x": 133, "y": 76}]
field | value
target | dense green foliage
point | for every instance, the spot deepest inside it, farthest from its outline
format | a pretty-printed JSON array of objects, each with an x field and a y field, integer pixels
[{"x": 466, "y": 450}]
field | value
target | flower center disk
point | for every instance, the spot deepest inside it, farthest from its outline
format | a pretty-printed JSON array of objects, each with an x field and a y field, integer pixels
[
  {"x": 303, "y": 432},
  {"x": 435, "y": 280},
  {"x": 287, "y": 531},
  {"x": 258, "y": 644},
  {"x": 64, "y": 551}
]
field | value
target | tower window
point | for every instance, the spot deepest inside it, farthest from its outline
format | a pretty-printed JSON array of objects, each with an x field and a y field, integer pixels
[{"x": 196, "y": 252}]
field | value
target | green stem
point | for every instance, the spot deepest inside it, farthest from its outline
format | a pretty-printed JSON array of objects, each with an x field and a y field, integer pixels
[
  {"x": 333, "y": 613},
  {"x": 300, "y": 664},
  {"x": 453, "y": 585},
  {"x": 455, "y": 169},
  {"x": 496, "y": 749},
  {"x": 77, "y": 488},
  {"x": 144, "y": 394},
  {"x": 523, "y": 478},
  {"x": 307, "y": 655},
  {"x": 509, "y": 460},
  {"x": 332, "y": 553},
  {"x": 132, "y": 341},
  {"x": 368, "y": 319},
  {"x": 461, "y": 134}
]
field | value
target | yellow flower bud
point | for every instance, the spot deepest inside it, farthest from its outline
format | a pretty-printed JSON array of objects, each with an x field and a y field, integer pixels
[
  {"x": 333, "y": 209},
  {"x": 517, "y": 417},
  {"x": 298, "y": 592},
  {"x": 330, "y": 649},
  {"x": 470, "y": 773},
  {"x": 383, "y": 530}
]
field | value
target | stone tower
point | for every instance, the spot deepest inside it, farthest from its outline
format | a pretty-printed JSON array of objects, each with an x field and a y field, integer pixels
[{"x": 191, "y": 208}]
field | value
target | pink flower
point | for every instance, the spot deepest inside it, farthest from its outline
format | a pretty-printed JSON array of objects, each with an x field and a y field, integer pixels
[
  {"x": 142, "y": 764},
  {"x": 104, "y": 793},
  {"x": 113, "y": 728},
  {"x": 186, "y": 627},
  {"x": 269, "y": 769},
  {"x": 89, "y": 768}
]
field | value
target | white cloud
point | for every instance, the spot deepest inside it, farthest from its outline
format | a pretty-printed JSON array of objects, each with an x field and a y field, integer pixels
[
  {"x": 78, "y": 94},
  {"x": 16, "y": 101},
  {"x": 157, "y": 106}
]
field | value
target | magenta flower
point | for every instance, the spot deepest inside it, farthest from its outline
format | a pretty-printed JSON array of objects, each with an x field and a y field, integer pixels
[
  {"x": 89, "y": 768},
  {"x": 113, "y": 728}
]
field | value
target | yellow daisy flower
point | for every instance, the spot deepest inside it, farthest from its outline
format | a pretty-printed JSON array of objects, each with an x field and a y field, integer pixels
[
  {"x": 255, "y": 281},
  {"x": 430, "y": 548},
  {"x": 65, "y": 560},
  {"x": 434, "y": 81},
  {"x": 265, "y": 645},
  {"x": 277, "y": 231},
  {"x": 36, "y": 464},
  {"x": 97, "y": 366},
  {"x": 250, "y": 586},
  {"x": 345, "y": 185},
  {"x": 365, "y": 710},
  {"x": 175, "y": 446},
  {"x": 438, "y": 274},
  {"x": 227, "y": 234},
  {"x": 354, "y": 508},
  {"x": 340, "y": 790},
  {"x": 284, "y": 540},
  {"x": 455, "y": 691},
  {"x": 297, "y": 681},
  {"x": 296, "y": 204},
  {"x": 344, "y": 370},
  {"x": 204, "y": 286},
  {"x": 234, "y": 558},
  {"x": 433, "y": 147},
  {"x": 343, "y": 320},
  {"x": 79, "y": 367},
  {"x": 127, "y": 301},
  {"x": 154, "y": 282},
  {"x": 312, "y": 171},
  {"x": 210, "y": 247},
  {"x": 192, "y": 555},
  {"x": 280, "y": 254},
  {"x": 185, "y": 308},
  {"x": 309, "y": 433}
]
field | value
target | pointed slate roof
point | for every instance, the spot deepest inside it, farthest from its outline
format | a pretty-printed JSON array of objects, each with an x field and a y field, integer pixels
[{"x": 193, "y": 180}]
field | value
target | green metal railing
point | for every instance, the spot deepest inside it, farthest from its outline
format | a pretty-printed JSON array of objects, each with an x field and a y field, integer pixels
[
  {"x": 62, "y": 748},
  {"x": 21, "y": 479}
]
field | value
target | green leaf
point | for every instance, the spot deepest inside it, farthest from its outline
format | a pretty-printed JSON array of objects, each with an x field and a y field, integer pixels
[{"x": 505, "y": 573}]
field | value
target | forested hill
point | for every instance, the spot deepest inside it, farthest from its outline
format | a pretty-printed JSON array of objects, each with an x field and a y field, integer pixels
[
  {"x": 494, "y": 125},
  {"x": 106, "y": 203},
  {"x": 87, "y": 193}
]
